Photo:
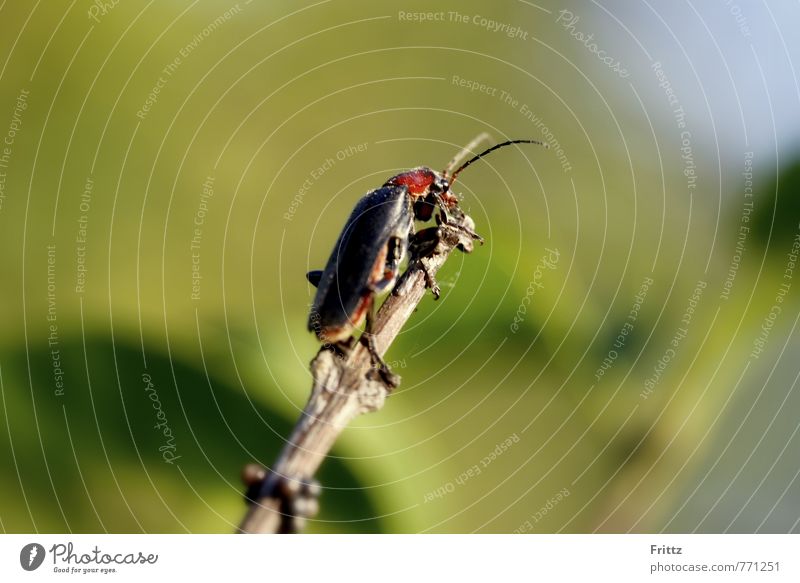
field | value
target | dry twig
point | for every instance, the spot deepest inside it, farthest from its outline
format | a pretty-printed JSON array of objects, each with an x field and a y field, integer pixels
[{"x": 345, "y": 386}]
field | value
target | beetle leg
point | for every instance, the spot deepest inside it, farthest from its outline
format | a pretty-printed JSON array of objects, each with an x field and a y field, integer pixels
[
  {"x": 455, "y": 217},
  {"x": 394, "y": 255},
  {"x": 342, "y": 348},
  {"x": 430, "y": 281},
  {"x": 314, "y": 277},
  {"x": 463, "y": 223},
  {"x": 388, "y": 377},
  {"x": 444, "y": 216},
  {"x": 423, "y": 244}
]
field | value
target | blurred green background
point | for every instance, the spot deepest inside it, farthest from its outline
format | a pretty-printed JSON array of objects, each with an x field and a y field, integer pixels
[{"x": 174, "y": 169}]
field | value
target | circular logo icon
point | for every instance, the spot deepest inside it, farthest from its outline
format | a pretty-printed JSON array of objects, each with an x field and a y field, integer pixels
[{"x": 31, "y": 556}]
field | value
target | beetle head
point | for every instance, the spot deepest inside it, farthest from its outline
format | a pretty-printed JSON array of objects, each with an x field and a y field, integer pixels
[{"x": 428, "y": 188}]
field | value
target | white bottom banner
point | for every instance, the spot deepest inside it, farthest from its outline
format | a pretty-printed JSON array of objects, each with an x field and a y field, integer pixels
[{"x": 355, "y": 558}]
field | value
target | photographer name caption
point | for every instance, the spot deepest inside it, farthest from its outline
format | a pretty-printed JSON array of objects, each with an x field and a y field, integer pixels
[{"x": 679, "y": 559}]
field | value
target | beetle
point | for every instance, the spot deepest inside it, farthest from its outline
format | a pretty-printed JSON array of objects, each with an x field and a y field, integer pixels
[{"x": 366, "y": 258}]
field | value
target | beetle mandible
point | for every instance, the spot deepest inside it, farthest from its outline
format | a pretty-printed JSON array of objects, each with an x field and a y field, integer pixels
[{"x": 366, "y": 258}]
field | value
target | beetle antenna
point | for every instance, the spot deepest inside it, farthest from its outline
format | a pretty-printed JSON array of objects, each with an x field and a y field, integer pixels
[
  {"x": 467, "y": 151},
  {"x": 482, "y": 154}
]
